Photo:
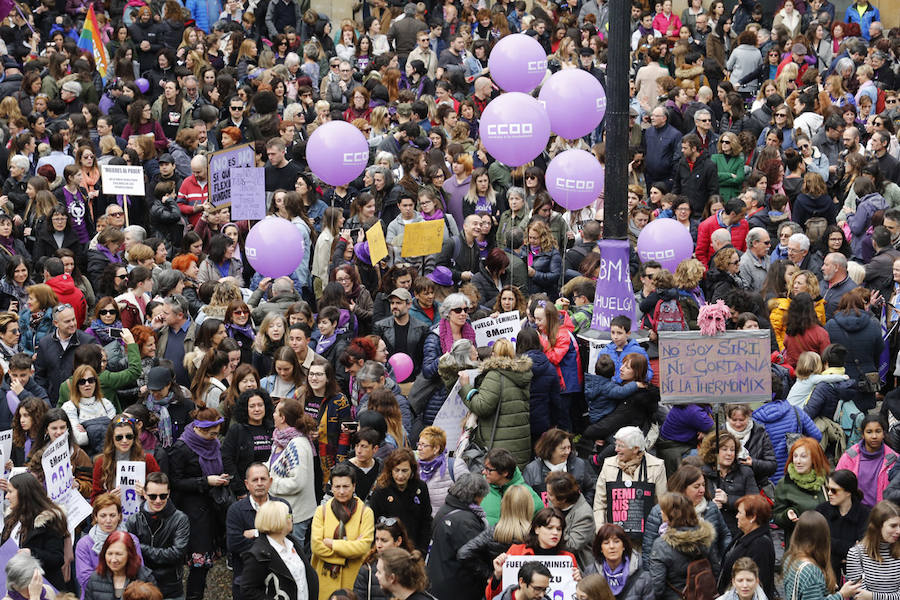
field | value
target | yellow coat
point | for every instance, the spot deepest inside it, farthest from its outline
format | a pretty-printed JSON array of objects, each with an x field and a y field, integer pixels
[
  {"x": 778, "y": 308},
  {"x": 348, "y": 552}
]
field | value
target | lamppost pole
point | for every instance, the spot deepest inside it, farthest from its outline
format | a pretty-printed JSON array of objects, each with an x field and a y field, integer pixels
[{"x": 617, "y": 92}]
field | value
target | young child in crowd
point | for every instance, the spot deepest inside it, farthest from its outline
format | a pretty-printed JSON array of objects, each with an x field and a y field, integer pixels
[
  {"x": 809, "y": 373},
  {"x": 622, "y": 345},
  {"x": 601, "y": 392}
]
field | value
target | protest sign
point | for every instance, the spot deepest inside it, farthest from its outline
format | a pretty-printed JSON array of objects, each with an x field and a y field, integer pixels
[
  {"x": 488, "y": 330},
  {"x": 119, "y": 179},
  {"x": 377, "y": 246},
  {"x": 59, "y": 480},
  {"x": 562, "y": 584},
  {"x": 248, "y": 193},
  {"x": 452, "y": 415},
  {"x": 6, "y": 446},
  {"x": 129, "y": 475},
  {"x": 629, "y": 502},
  {"x": 733, "y": 366},
  {"x": 422, "y": 238},
  {"x": 614, "y": 295},
  {"x": 9, "y": 549},
  {"x": 220, "y": 165}
]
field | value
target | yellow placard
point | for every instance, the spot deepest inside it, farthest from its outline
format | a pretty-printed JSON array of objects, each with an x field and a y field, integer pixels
[
  {"x": 377, "y": 247},
  {"x": 422, "y": 238}
]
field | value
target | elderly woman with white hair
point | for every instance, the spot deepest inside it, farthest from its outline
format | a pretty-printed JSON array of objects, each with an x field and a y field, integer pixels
[
  {"x": 24, "y": 579},
  {"x": 631, "y": 464},
  {"x": 453, "y": 326}
]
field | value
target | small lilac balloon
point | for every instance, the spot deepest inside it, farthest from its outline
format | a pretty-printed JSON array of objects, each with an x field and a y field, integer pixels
[
  {"x": 337, "y": 152},
  {"x": 518, "y": 63},
  {"x": 514, "y": 128},
  {"x": 666, "y": 241},
  {"x": 142, "y": 85},
  {"x": 574, "y": 179},
  {"x": 274, "y": 247},
  {"x": 575, "y": 102},
  {"x": 403, "y": 366}
]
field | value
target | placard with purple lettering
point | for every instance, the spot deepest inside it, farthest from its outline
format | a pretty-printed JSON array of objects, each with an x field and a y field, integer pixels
[
  {"x": 59, "y": 481},
  {"x": 220, "y": 165},
  {"x": 248, "y": 193},
  {"x": 130, "y": 476},
  {"x": 562, "y": 582},
  {"x": 614, "y": 295},
  {"x": 733, "y": 366}
]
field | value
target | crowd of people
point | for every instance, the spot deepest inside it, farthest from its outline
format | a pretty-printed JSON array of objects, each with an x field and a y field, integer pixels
[{"x": 276, "y": 431}]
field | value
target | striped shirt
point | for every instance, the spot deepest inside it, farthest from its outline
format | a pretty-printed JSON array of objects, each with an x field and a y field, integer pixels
[
  {"x": 805, "y": 581},
  {"x": 881, "y": 578}
]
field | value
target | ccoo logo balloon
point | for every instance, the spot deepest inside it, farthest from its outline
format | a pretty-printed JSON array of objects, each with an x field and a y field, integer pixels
[
  {"x": 666, "y": 241},
  {"x": 337, "y": 152},
  {"x": 575, "y": 102},
  {"x": 274, "y": 247},
  {"x": 514, "y": 128},
  {"x": 518, "y": 63},
  {"x": 574, "y": 179}
]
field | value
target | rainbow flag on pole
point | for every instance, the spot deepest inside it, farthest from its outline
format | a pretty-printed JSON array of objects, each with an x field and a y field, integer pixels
[{"x": 90, "y": 40}]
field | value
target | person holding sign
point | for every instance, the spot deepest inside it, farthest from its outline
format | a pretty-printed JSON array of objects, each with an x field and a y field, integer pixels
[
  {"x": 106, "y": 518},
  {"x": 121, "y": 440}
]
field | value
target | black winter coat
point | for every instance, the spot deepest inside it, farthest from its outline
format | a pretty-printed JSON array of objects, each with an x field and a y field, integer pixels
[
  {"x": 454, "y": 525},
  {"x": 47, "y": 545},
  {"x": 164, "y": 545},
  {"x": 53, "y": 364},
  {"x": 846, "y": 530},
  {"x": 237, "y": 455},
  {"x": 45, "y": 244},
  {"x": 544, "y": 391},
  {"x": 535, "y": 475},
  {"x": 757, "y": 545},
  {"x": 101, "y": 587},
  {"x": 698, "y": 184},
  {"x": 266, "y": 577},
  {"x": 860, "y": 334},
  {"x": 737, "y": 483},
  {"x": 241, "y": 517},
  {"x": 638, "y": 409},
  {"x": 96, "y": 263},
  {"x": 191, "y": 493},
  {"x": 412, "y": 506},
  {"x": 366, "y": 585},
  {"x": 166, "y": 221},
  {"x": 759, "y": 446}
]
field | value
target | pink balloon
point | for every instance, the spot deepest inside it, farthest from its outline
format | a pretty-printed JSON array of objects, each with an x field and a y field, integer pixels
[
  {"x": 514, "y": 128},
  {"x": 518, "y": 63},
  {"x": 274, "y": 247},
  {"x": 337, "y": 152},
  {"x": 666, "y": 241},
  {"x": 403, "y": 366},
  {"x": 574, "y": 179},
  {"x": 575, "y": 102}
]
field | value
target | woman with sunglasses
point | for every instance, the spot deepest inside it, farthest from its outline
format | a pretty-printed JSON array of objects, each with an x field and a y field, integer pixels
[
  {"x": 106, "y": 518},
  {"x": 240, "y": 328},
  {"x": 846, "y": 515},
  {"x": 104, "y": 326},
  {"x": 89, "y": 413}
]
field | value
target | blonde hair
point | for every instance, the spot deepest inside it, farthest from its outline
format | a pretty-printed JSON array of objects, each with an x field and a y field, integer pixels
[
  {"x": 808, "y": 364},
  {"x": 689, "y": 273},
  {"x": 272, "y": 517},
  {"x": 435, "y": 436},
  {"x": 503, "y": 348},
  {"x": 516, "y": 511}
]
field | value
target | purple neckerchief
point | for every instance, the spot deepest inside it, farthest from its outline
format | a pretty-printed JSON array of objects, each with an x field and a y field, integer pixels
[{"x": 108, "y": 254}]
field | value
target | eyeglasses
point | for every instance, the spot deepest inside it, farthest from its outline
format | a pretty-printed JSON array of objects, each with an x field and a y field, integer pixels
[
  {"x": 120, "y": 213},
  {"x": 781, "y": 115},
  {"x": 734, "y": 262},
  {"x": 458, "y": 310},
  {"x": 703, "y": 120},
  {"x": 313, "y": 374},
  {"x": 121, "y": 276},
  {"x": 537, "y": 588},
  {"x": 158, "y": 496},
  {"x": 488, "y": 469},
  {"x": 726, "y": 142},
  {"x": 833, "y": 490},
  {"x": 87, "y": 381},
  {"x": 127, "y": 436},
  {"x": 804, "y": 147},
  {"x": 107, "y": 311},
  {"x": 890, "y": 101}
]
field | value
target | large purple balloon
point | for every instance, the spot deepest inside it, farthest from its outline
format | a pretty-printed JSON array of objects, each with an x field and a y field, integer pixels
[
  {"x": 574, "y": 179},
  {"x": 514, "y": 128},
  {"x": 518, "y": 63},
  {"x": 337, "y": 152},
  {"x": 666, "y": 241},
  {"x": 575, "y": 102},
  {"x": 274, "y": 247}
]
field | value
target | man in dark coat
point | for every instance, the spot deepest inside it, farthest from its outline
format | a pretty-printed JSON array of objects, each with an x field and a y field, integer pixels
[
  {"x": 402, "y": 333},
  {"x": 880, "y": 270},
  {"x": 696, "y": 176},
  {"x": 56, "y": 352},
  {"x": 661, "y": 145}
]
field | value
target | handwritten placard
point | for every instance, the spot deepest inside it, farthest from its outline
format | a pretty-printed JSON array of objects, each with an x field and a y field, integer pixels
[
  {"x": 729, "y": 367},
  {"x": 422, "y": 238},
  {"x": 59, "y": 481},
  {"x": 614, "y": 295},
  {"x": 121, "y": 179},
  {"x": 129, "y": 475},
  {"x": 248, "y": 193},
  {"x": 220, "y": 165},
  {"x": 452, "y": 416},
  {"x": 377, "y": 246},
  {"x": 562, "y": 584},
  {"x": 488, "y": 330}
]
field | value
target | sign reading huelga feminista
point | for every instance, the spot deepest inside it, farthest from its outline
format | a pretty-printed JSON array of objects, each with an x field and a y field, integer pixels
[{"x": 733, "y": 366}]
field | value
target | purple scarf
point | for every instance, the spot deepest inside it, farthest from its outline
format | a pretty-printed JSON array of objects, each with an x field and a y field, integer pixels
[
  {"x": 108, "y": 254},
  {"x": 324, "y": 343},
  {"x": 445, "y": 332},
  {"x": 482, "y": 248},
  {"x": 428, "y": 468},
  {"x": 233, "y": 328},
  {"x": 208, "y": 451},
  {"x": 617, "y": 578},
  {"x": 8, "y": 244},
  {"x": 435, "y": 216}
]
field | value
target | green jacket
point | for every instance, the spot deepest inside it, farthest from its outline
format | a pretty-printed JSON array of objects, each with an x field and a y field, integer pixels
[
  {"x": 788, "y": 495},
  {"x": 731, "y": 174},
  {"x": 512, "y": 377},
  {"x": 111, "y": 382},
  {"x": 508, "y": 222},
  {"x": 491, "y": 502}
]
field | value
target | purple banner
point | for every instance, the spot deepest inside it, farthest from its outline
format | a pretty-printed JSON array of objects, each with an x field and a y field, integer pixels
[
  {"x": 614, "y": 295},
  {"x": 248, "y": 193}
]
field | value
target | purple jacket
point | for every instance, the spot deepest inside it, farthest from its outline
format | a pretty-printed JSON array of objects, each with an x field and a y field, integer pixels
[
  {"x": 684, "y": 421},
  {"x": 86, "y": 559}
]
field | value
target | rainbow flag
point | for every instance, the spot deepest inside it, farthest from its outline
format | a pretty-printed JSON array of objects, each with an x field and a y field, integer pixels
[{"x": 90, "y": 40}]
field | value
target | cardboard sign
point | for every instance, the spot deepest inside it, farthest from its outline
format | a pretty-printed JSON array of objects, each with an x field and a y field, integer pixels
[
  {"x": 377, "y": 246},
  {"x": 562, "y": 584},
  {"x": 248, "y": 193},
  {"x": 59, "y": 479},
  {"x": 219, "y": 171},
  {"x": 452, "y": 415},
  {"x": 488, "y": 330},
  {"x": 122, "y": 180},
  {"x": 422, "y": 239},
  {"x": 733, "y": 366},
  {"x": 614, "y": 295},
  {"x": 130, "y": 474}
]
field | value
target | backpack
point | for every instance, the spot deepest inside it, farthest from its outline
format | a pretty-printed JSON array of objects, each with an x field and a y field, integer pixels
[
  {"x": 850, "y": 418},
  {"x": 700, "y": 584},
  {"x": 668, "y": 316}
]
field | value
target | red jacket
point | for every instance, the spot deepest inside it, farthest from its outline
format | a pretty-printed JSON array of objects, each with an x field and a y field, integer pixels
[
  {"x": 192, "y": 194},
  {"x": 704, "y": 237},
  {"x": 495, "y": 587},
  {"x": 66, "y": 292},
  {"x": 99, "y": 486},
  {"x": 815, "y": 339}
]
